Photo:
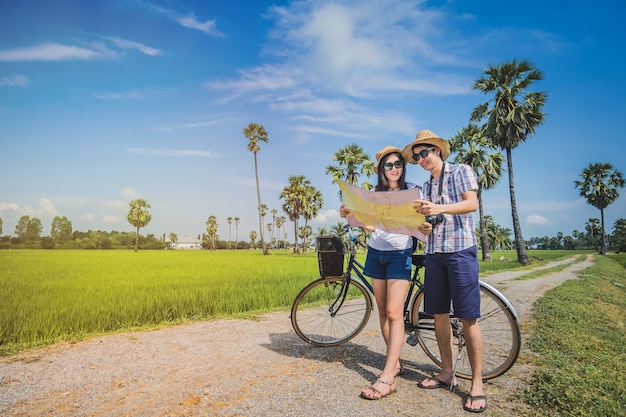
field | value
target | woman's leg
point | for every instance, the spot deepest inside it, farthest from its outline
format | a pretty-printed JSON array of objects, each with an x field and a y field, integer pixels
[
  {"x": 393, "y": 320},
  {"x": 390, "y": 295}
]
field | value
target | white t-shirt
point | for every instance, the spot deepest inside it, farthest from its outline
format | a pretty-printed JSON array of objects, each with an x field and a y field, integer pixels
[{"x": 384, "y": 241}]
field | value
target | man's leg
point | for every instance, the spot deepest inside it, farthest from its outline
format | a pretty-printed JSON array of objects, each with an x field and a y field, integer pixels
[
  {"x": 443, "y": 332},
  {"x": 474, "y": 345}
]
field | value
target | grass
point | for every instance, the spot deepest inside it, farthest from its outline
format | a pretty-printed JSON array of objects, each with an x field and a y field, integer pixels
[
  {"x": 551, "y": 270},
  {"x": 48, "y": 296},
  {"x": 580, "y": 336}
]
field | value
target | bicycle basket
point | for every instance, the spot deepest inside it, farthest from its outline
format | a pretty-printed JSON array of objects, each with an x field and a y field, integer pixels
[{"x": 330, "y": 256}]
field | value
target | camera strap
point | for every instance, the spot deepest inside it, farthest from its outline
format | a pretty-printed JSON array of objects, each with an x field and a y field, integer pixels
[{"x": 440, "y": 185}]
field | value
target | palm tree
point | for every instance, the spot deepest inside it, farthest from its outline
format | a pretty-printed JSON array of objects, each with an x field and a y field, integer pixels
[
  {"x": 229, "y": 220},
  {"x": 486, "y": 164},
  {"x": 510, "y": 118},
  {"x": 273, "y": 211},
  {"x": 312, "y": 203},
  {"x": 353, "y": 162},
  {"x": 600, "y": 187},
  {"x": 294, "y": 205},
  {"x": 236, "y": 231},
  {"x": 618, "y": 238},
  {"x": 280, "y": 221},
  {"x": 256, "y": 133},
  {"x": 592, "y": 226},
  {"x": 211, "y": 230},
  {"x": 173, "y": 239},
  {"x": 270, "y": 230},
  {"x": 138, "y": 216},
  {"x": 252, "y": 239}
]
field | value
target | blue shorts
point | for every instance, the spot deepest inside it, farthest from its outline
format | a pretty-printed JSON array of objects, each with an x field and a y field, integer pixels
[
  {"x": 393, "y": 264},
  {"x": 452, "y": 277}
]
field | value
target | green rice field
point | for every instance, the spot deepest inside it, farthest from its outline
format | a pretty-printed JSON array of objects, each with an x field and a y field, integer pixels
[{"x": 49, "y": 296}]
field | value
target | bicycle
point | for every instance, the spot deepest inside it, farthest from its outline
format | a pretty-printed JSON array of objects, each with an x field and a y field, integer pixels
[{"x": 336, "y": 307}]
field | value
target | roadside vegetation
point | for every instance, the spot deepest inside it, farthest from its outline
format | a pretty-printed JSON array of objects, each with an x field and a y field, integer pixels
[{"x": 580, "y": 338}]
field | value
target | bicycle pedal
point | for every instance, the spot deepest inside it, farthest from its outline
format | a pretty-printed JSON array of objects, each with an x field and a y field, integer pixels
[{"x": 411, "y": 340}]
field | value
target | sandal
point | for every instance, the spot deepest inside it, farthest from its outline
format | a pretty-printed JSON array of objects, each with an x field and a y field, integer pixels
[
  {"x": 438, "y": 384},
  {"x": 376, "y": 394},
  {"x": 399, "y": 370},
  {"x": 473, "y": 398}
]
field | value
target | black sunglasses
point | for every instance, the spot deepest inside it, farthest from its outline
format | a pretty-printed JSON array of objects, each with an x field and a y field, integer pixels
[
  {"x": 388, "y": 166},
  {"x": 422, "y": 154}
]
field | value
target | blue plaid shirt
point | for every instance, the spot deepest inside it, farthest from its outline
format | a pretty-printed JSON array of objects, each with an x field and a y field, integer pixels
[{"x": 456, "y": 232}]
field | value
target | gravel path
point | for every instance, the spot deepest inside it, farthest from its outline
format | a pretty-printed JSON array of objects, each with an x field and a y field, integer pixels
[{"x": 246, "y": 368}]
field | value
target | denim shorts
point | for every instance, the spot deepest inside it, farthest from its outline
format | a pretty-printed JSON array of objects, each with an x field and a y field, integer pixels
[
  {"x": 392, "y": 264},
  {"x": 452, "y": 277}
]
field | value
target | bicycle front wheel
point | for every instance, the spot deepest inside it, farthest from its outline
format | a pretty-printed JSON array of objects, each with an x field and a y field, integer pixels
[
  {"x": 499, "y": 327},
  {"x": 331, "y": 311}
]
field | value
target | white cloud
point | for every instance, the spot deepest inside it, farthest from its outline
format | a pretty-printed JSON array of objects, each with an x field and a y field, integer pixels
[
  {"x": 190, "y": 21},
  {"x": 132, "y": 94},
  {"x": 56, "y": 52},
  {"x": 108, "y": 219},
  {"x": 87, "y": 218},
  {"x": 15, "y": 81},
  {"x": 126, "y": 44},
  {"x": 130, "y": 193},
  {"x": 9, "y": 207},
  {"x": 536, "y": 219},
  {"x": 326, "y": 217}
]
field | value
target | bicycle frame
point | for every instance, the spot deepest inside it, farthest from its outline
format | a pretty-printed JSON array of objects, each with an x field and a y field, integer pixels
[
  {"x": 335, "y": 307},
  {"x": 415, "y": 283}
]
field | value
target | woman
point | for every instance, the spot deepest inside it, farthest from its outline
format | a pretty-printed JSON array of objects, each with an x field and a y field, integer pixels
[{"x": 388, "y": 263}]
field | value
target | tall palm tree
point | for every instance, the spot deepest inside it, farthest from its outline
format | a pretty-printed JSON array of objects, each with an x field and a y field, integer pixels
[
  {"x": 280, "y": 221},
  {"x": 256, "y": 133},
  {"x": 138, "y": 216},
  {"x": 273, "y": 211},
  {"x": 474, "y": 149},
  {"x": 211, "y": 230},
  {"x": 313, "y": 202},
  {"x": 270, "y": 230},
  {"x": 236, "y": 231},
  {"x": 511, "y": 116},
  {"x": 600, "y": 187},
  {"x": 592, "y": 226},
  {"x": 229, "y": 220},
  {"x": 293, "y": 206},
  {"x": 353, "y": 162}
]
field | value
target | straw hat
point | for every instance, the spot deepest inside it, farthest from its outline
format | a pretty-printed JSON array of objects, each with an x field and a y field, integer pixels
[
  {"x": 426, "y": 137},
  {"x": 384, "y": 152}
]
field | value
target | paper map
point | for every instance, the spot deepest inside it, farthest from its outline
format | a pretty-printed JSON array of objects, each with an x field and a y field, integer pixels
[{"x": 391, "y": 211}]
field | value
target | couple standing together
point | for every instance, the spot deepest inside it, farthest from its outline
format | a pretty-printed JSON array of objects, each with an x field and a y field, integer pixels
[{"x": 448, "y": 199}]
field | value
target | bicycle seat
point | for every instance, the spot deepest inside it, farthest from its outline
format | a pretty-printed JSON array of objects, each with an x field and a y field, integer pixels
[{"x": 419, "y": 260}]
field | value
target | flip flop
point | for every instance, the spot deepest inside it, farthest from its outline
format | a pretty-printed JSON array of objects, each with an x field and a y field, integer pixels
[
  {"x": 473, "y": 398},
  {"x": 440, "y": 384}
]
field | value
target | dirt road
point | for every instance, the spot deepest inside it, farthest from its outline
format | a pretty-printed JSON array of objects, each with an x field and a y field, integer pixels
[{"x": 246, "y": 368}]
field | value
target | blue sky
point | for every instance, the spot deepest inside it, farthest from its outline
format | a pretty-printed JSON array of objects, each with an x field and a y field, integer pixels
[{"x": 103, "y": 102}]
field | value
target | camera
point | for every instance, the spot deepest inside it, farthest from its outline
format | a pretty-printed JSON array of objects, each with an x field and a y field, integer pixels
[{"x": 435, "y": 220}]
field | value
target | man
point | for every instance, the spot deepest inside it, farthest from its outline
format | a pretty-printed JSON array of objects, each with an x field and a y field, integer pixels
[{"x": 450, "y": 197}]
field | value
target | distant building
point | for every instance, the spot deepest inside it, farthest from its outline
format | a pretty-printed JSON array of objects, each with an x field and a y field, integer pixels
[{"x": 184, "y": 242}]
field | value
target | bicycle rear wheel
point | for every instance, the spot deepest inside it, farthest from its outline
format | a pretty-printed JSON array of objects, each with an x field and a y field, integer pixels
[
  {"x": 331, "y": 311},
  {"x": 498, "y": 324}
]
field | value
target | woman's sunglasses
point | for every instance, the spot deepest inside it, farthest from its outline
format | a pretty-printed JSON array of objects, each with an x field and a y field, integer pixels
[
  {"x": 422, "y": 154},
  {"x": 388, "y": 166}
]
